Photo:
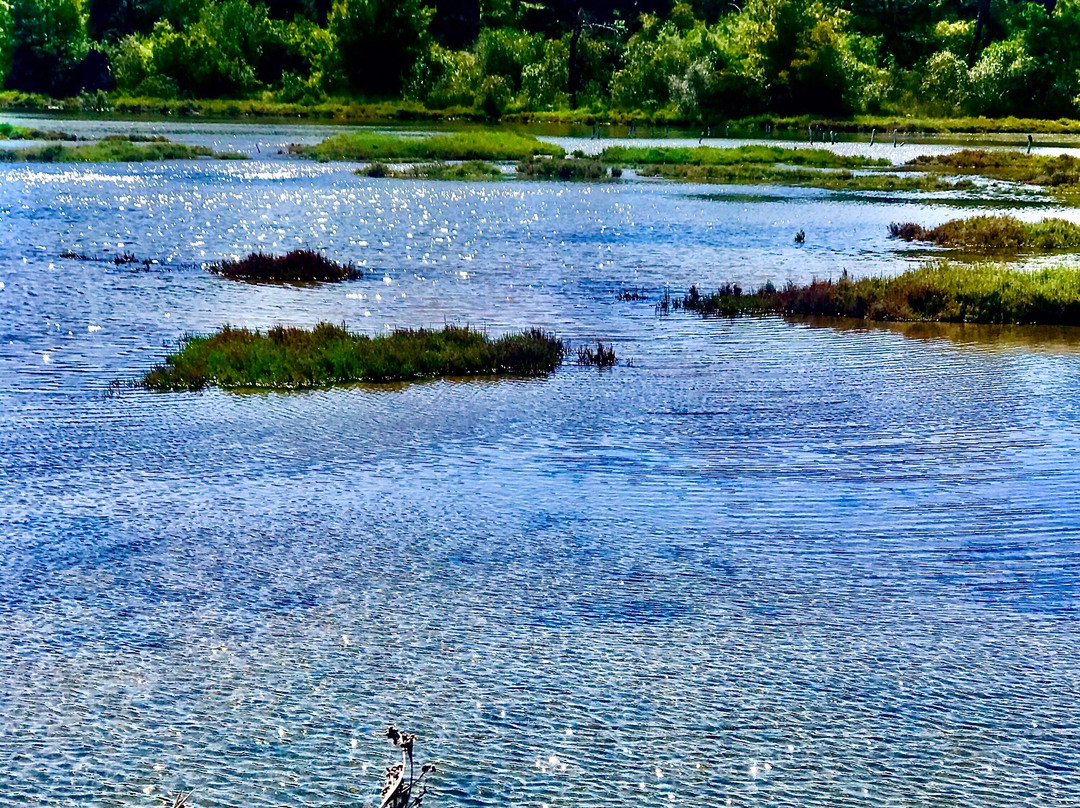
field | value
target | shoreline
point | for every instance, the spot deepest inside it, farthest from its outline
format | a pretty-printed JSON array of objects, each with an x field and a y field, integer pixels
[{"x": 351, "y": 112}]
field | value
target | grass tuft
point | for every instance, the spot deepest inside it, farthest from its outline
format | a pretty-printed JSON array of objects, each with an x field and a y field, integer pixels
[
  {"x": 298, "y": 266},
  {"x": 994, "y": 234},
  {"x": 296, "y": 358}
]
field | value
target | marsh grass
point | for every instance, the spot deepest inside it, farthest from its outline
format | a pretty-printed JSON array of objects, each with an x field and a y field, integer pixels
[
  {"x": 111, "y": 150},
  {"x": 558, "y": 168},
  {"x": 994, "y": 234},
  {"x": 1033, "y": 169},
  {"x": 470, "y": 170},
  {"x": 297, "y": 266},
  {"x": 766, "y": 174},
  {"x": 295, "y": 358},
  {"x": 739, "y": 155},
  {"x": 938, "y": 292},
  {"x": 602, "y": 356},
  {"x": 488, "y": 145}
]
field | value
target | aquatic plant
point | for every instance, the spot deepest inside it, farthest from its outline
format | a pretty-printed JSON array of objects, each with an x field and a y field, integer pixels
[
  {"x": 471, "y": 170},
  {"x": 739, "y": 155},
  {"x": 297, "y": 266},
  {"x": 994, "y": 233},
  {"x": 111, "y": 150},
  {"x": 294, "y": 358},
  {"x": 941, "y": 292},
  {"x": 603, "y": 356},
  {"x": 481, "y": 145}
]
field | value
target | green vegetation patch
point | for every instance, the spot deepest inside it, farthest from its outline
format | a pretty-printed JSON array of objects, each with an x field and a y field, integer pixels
[
  {"x": 298, "y": 266},
  {"x": 111, "y": 150},
  {"x": 362, "y": 146},
  {"x": 473, "y": 170},
  {"x": 1015, "y": 166},
  {"x": 296, "y": 358},
  {"x": 559, "y": 168},
  {"x": 11, "y": 132},
  {"x": 763, "y": 174},
  {"x": 941, "y": 292},
  {"x": 739, "y": 155},
  {"x": 995, "y": 233}
]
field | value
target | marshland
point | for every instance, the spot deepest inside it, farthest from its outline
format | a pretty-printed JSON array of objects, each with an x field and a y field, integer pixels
[{"x": 824, "y": 548}]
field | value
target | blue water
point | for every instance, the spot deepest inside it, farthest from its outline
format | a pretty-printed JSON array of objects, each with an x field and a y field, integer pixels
[{"x": 768, "y": 564}]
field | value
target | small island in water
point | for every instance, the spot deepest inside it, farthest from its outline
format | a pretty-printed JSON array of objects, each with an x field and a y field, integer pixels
[{"x": 296, "y": 358}]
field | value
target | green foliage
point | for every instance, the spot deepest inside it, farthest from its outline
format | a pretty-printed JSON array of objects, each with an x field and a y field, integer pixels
[
  {"x": 7, "y": 40},
  {"x": 378, "y": 43},
  {"x": 47, "y": 40},
  {"x": 294, "y": 358},
  {"x": 361, "y": 146}
]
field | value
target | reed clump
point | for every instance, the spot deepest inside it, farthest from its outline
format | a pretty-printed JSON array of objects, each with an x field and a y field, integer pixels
[
  {"x": 739, "y": 155},
  {"x": 296, "y": 358},
  {"x": 940, "y": 292},
  {"x": 602, "y": 356},
  {"x": 589, "y": 169},
  {"x": 994, "y": 234},
  {"x": 297, "y": 266},
  {"x": 371, "y": 146}
]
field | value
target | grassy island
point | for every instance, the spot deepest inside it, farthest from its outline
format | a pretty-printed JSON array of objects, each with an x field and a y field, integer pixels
[
  {"x": 11, "y": 132},
  {"x": 296, "y": 358},
  {"x": 995, "y": 234},
  {"x": 472, "y": 170},
  {"x": 738, "y": 155},
  {"x": 569, "y": 168},
  {"x": 764, "y": 174},
  {"x": 113, "y": 150},
  {"x": 298, "y": 266},
  {"x": 1014, "y": 166},
  {"x": 945, "y": 292},
  {"x": 485, "y": 145}
]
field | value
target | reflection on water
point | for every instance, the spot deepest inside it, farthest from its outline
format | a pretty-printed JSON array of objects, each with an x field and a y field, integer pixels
[
  {"x": 1053, "y": 339},
  {"x": 770, "y": 564}
]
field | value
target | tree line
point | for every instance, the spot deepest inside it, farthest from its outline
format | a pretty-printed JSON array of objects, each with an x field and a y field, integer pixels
[{"x": 698, "y": 60}]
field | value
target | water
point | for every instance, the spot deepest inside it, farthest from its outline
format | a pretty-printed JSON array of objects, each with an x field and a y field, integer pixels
[{"x": 776, "y": 564}]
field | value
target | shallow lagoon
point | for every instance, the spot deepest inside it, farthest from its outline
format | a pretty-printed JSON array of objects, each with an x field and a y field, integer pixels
[{"x": 771, "y": 563}]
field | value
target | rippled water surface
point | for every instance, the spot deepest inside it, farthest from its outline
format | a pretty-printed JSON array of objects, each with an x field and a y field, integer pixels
[{"x": 770, "y": 563}]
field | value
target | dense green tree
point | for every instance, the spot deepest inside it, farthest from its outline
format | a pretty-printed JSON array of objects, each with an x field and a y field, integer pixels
[
  {"x": 379, "y": 43},
  {"x": 48, "y": 40}
]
